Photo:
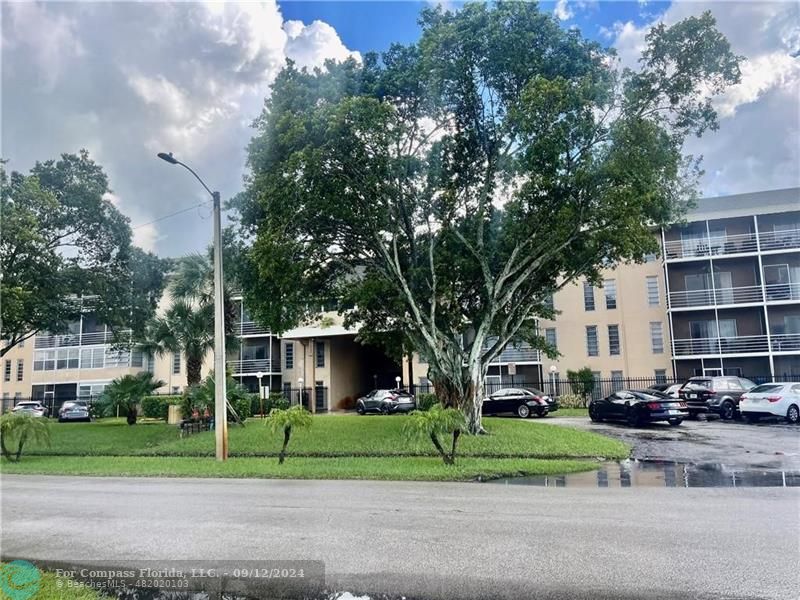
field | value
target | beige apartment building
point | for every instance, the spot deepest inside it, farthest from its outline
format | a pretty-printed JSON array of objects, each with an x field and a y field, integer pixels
[{"x": 724, "y": 297}]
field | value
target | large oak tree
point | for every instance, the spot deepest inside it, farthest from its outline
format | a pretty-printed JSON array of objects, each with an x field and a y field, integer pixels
[{"x": 451, "y": 186}]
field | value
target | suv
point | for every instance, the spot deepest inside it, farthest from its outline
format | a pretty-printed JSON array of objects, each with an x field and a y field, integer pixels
[{"x": 719, "y": 395}]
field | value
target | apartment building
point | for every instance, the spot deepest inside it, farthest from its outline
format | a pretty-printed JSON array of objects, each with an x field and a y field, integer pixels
[{"x": 733, "y": 286}]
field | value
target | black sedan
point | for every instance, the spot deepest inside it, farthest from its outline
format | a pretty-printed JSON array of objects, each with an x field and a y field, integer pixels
[
  {"x": 637, "y": 407},
  {"x": 520, "y": 401}
]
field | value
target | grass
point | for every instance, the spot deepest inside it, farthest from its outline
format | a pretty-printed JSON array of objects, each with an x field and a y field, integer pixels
[
  {"x": 54, "y": 587},
  {"x": 407, "y": 468},
  {"x": 329, "y": 436}
]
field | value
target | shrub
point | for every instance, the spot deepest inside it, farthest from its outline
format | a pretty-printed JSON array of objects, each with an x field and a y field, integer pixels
[
  {"x": 242, "y": 404},
  {"x": 276, "y": 401},
  {"x": 426, "y": 401},
  {"x": 571, "y": 401},
  {"x": 582, "y": 382},
  {"x": 125, "y": 393},
  {"x": 435, "y": 422},
  {"x": 285, "y": 420},
  {"x": 346, "y": 403},
  {"x": 20, "y": 428},
  {"x": 157, "y": 407}
]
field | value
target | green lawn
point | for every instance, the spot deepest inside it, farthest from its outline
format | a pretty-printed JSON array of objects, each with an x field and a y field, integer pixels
[
  {"x": 52, "y": 587},
  {"x": 330, "y": 435},
  {"x": 335, "y": 447},
  {"x": 397, "y": 468}
]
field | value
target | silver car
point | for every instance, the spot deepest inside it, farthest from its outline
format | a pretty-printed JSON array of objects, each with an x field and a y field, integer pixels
[
  {"x": 386, "y": 402},
  {"x": 74, "y": 411},
  {"x": 33, "y": 408}
]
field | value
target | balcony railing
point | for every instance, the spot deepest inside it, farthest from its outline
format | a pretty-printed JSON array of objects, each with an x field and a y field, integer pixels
[
  {"x": 785, "y": 342},
  {"x": 721, "y": 245},
  {"x": 777, "y": 292},
  {"x": 249, "y": 328},
  {"x": 720, "y": 296},
  {"x": 779, "y": 240},
  {"x": 251, "y": 367},
  {"x": 79, "y": 339},
  {"x": 724, "y": 345}
]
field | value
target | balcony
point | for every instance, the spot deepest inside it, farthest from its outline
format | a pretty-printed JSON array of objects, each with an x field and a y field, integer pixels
[
  {"x": 785, "y": 342},
  {"x": 251, "y": 367},
  {"x": 521, "y": 354},
  {"x": 79, "y": 339},
  {"x": 718, "y": 297},
  {"x": 783, "y": 292},
  {"x": 242, "y": 328},
  {"x": 721, "y": 245},
  {"x": 745, "y": 344}
]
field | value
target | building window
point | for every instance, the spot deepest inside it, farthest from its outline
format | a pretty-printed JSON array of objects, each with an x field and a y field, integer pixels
[
  {"x": 650, "y": 257},
  {"x": 137, "y": 358},
  {"x": 661, "y": 375},
  {"x": 616, "y": 379},
  {"x": 652, "y": 290},
  {"x": 7, "y": 371},
  {"x": 92, "y": 358},
  {"x": 67, "y": 358},
  {"x": 176, "y": 363},
  {"x": 288, "y": 355},
  {"x": 613, "y": 340},
  {"x": 176, "y": 389},
  {"x": 319, "y": 348},
  {"x": 591, "y": 340},
  {"x": 550, "y": 337},
  {"x": 588, "y": 296},
  {"x": 20, "y": 369},
  {"x": 122, "y": 358},
  {"x": 656, "y": 337},
  {"x": 548, "y": 302},
  {"x": 44, "y": 360},
  {"x": 610, "y": 291}
]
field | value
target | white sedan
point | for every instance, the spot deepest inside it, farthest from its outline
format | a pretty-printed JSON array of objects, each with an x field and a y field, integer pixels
[{"x": 772, "y": 400}]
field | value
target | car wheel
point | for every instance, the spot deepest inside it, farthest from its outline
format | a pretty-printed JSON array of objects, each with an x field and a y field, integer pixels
[
  {"x": 726, "y": 410},
  {"x": 523, "y": 411},
  {"x": 752, "y": 418},
  {"x": 632, "y": 417},
  {"x": 60, "y": 420},
  {"x": 594, "y": 415},
  {"x": 384, "y": 410},
  {"x": 360, "y": 409},
  {"x": 793, "y": 414},
  {"x": 675, "y": 422}
]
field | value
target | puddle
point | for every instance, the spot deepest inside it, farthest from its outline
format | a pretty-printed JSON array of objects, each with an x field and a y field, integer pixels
[{"x": 652, "y": 473}]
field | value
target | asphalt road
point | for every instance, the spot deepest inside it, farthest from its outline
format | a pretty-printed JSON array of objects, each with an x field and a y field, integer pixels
[
  {"x": 428, "y": 540},
  {"x": 767, "y": 445}
]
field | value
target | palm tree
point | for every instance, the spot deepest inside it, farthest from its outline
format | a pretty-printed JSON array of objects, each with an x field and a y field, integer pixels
[
  {"x": 284, "y": 420},
  {"x": 126, "y": 392},
  {"x": 435, "y": 422},
  {"x": 187, "y": 327},
  {"x": 22, "y": 428}
]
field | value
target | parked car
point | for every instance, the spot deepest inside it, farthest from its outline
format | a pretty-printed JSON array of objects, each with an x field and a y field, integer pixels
[
  {"x": 719, "y": 395},
  {"x": 524, "y": 402},
  {"x": 637, "y": 407},
  {"x": 386, "y": 402},
  {"x": 670, "y": 389},
  {"x": 33, "y": 408},
  {"x": 74, "y": 411},
  {"x": 772, "y": 399}
]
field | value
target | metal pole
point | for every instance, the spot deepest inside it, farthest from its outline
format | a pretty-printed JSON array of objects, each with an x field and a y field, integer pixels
[{"x": 220, "y": 404}]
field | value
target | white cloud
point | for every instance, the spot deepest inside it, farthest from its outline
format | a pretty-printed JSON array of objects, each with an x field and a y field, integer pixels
[
  {"x": 562, "y": 10},
  {"x": 310, "y": 45},
  {"x": 756, "y": 146}
]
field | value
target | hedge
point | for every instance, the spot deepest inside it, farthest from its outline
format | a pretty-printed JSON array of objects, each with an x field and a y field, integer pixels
[{"x": 157, "y": 407}]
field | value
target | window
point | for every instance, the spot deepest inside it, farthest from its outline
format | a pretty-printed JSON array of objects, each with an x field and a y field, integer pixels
[
  {"x": 661, "y": 375},
  {"x": 176, "y": 363},
  {"x": 137, "y": 358},
  {"x": 550, "y": 337},
  {"x": 650, "y": 257},
  {"x": 548, "y": 302},
  {"x": 92, "y": 358},
  {"x": 613, "y": 340},
  {"x": 288, "y": 355},
  {"x": 7, "y": 371},
  {"x": 319, "y": 348},
  {"x": 588, "y": 296},
  {"x": 656, "y": 337},
  {"x": 122, "y": 358},
  {"x": 652, "y": 290},
  {"x": 91, "y": 390},
  {"x": 176, "y": 389},
  {"x": 20, "y": 369},
  {"x": 616, "y": 378},
  {"x": 67, "y": 358},
  {"x": 44, "y": 360},
  {"x": 591, "y": 340},
  {"x": 610, "y": 290}
]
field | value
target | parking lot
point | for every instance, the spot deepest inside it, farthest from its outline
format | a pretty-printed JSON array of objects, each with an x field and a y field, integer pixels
[{"x": 767, "y": 445}]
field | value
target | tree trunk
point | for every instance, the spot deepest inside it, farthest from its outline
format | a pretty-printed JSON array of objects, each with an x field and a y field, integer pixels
[
  {"x": 287, "y": 433},
  {"x": 445, "y": 457},
  {"x": 464, "y": 391},
  {"x": 456, "y": 435},
  {"x": 194, "y": 366},
  {"x": 22, "y": 440},
  {"x": 132, "y": 415},
  {"x": 4, "y": 450}
]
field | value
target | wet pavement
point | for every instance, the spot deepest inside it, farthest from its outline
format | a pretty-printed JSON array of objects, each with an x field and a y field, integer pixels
[{"x": 768, "y": 446}]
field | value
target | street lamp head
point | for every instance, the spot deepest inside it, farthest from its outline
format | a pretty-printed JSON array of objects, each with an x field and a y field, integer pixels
[
  {"x": 168, "y": 157},
  {"x": 553, "y": 368},
  {"x": 259, "y": 375}
]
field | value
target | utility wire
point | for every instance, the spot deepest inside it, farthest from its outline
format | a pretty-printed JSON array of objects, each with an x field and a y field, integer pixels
[{"x": 177, "y": 212}]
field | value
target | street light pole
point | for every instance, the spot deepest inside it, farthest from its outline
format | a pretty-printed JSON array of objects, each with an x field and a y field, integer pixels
[{"x": 220, "y": 376}]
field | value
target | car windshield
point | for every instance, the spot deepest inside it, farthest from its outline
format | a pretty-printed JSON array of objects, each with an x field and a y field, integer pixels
[
  {"x": 765, "y": 388},
  {"x": 706, "y": 383}
]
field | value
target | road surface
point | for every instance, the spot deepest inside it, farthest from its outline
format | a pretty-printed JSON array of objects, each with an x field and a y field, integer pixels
[{"x": 428, "y": 540}]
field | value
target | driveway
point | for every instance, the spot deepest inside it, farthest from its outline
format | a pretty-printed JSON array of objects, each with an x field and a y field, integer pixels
[
  {"x": 765, "y": 445},
  {"x": 432, "y": 541}
]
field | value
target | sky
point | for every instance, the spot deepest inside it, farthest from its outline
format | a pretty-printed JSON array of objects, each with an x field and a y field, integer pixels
[{"x": 127, "y": 80}]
